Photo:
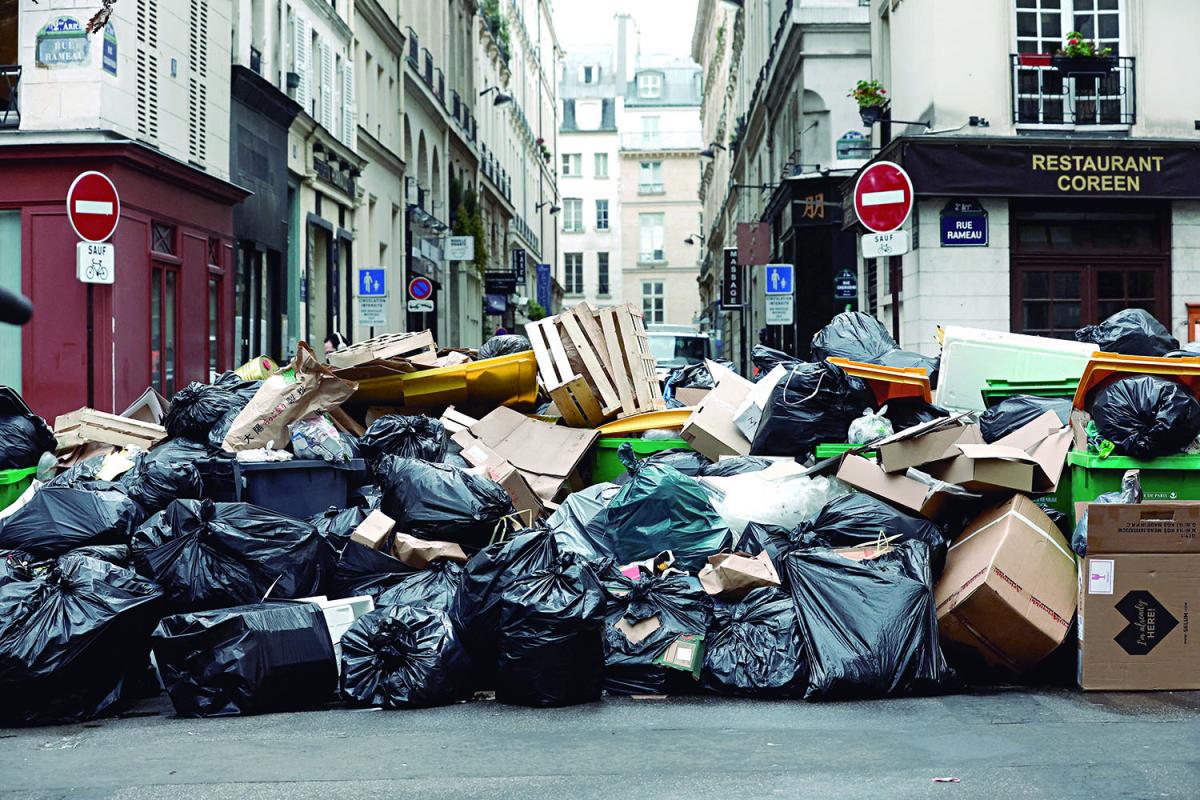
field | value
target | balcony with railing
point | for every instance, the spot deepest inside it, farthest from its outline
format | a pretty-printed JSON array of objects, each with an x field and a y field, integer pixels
[
  {"x": 414, "y": 48},
  {"x": 10, "y": 97},
  {"x": 652, "y": 188},
  {"x": 456, "y": 106},
  {"x": 662, "y": 140},
  {"x": 1044, "y": 94},
  {"x": 440, "y": 86}
]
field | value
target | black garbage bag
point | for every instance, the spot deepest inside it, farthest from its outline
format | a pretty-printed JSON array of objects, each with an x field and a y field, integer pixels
[
  {"x": 691, "y": 376},
  {"x": 214, "y": 465},
  {"x": 338, "y": 524},
  {"x": 1014, "y": 412},
  {"x": 197, "y": 408},
  {"x": 813, "y": 404},
  {"x": 1132, "y": 332},
  {"x": 906, "y": 359},
  {"x": 159, "y": 477},
  {"x": 249, "y": 659},
  {"x": 117, "y": 554},
  {"x": 754, "y": 647},
  {"x": 440, "y": 502},
  {"x": 856, "y": 520},
  {"x": 60, "y": 518},
  {"x": 551, "y": 636},
  {"x": 687, "y": 461},
  {"x": 659, "y": 509},
  {"x": 74, "y": 640},
  {"x": 391, "y": 582},
  {"x": 869, "y": 627},
  {"x": 211, "y": 555},
  {"x": 767, "y": 358},
  {"x": 244, "y": 389},
  {"x": 735, "y": 465},
  {"x": 505, "y": 345},
  {"x": 673, "y": 606},
  {"x": 24, "y": 436},
  {"x": 774, "y": 540},
  {"x": 1146, "y": 416},
  {"x": 1130, "y": 493},
  {"x": 571, "y": 519},
  {"x": 405, "y": 436},
  {"x": 854, "y": 335},
  {"x": 17, "y": 565},
  {"x": 908, "y": 412},
  {"x": 404, "y": 657}
]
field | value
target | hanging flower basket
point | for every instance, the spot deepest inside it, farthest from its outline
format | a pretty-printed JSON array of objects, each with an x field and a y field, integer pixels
[
  {"x": 1077, "y": 66},
  {"x": 871, "y": 114}
]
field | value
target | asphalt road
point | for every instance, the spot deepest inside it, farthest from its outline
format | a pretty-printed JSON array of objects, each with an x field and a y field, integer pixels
[{"x": 1016, "y": 743}]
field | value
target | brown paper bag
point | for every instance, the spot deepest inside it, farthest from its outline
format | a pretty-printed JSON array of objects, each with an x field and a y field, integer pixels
[
  {"x": 420, "y": 553},
  {"x": 305, "y": 387},
  {"x": 732, "y": 575}
]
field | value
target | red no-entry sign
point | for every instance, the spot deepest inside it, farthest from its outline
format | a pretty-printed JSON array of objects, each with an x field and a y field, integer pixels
[
  {"x": 883, "y": 197},
  {"x": 93, "y": 206}
]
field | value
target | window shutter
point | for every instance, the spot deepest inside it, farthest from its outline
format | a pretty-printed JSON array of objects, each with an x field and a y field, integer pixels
[
  {"x": 348, "y": 104},
  {"x": 300, "y": 59},
  {"x": 326, "y": 85}
]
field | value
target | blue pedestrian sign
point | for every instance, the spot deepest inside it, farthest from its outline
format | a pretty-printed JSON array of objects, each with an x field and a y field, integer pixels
[
  {"x": 372, "y": 283},
  {"x": 780, "y": 279}
]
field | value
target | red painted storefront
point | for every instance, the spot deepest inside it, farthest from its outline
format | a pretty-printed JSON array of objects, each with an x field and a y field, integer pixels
[{"x": 174, "y": 243}]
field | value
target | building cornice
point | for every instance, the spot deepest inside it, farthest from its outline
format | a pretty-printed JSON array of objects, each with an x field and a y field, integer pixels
[{"x": 377, "y": 18}]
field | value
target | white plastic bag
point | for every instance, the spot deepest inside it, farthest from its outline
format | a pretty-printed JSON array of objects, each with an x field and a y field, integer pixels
[
  {"x": 315, "y": 436},
  {"x": 778, "y": 495},
  {"x": 870, "y": 427}
]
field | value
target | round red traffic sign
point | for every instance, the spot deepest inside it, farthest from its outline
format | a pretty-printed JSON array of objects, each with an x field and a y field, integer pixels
[
  {"x": 883, "y": 197},
  {"x": 420, "y": 288},
  {"x": 93, "y": 206}
]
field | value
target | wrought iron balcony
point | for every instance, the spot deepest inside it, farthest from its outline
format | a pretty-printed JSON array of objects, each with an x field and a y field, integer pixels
[
  {"x": 1043, "y": 94},
  {"x": 427, "y": 72},
  {"x": 440, "y": 90},
  {"x": 414, "y": 48},
  {"x": 10, "y": 105}
]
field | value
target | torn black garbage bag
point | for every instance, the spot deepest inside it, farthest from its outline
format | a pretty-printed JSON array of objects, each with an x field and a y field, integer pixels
[
  {"x": 74, "y": 640},
  {"x": 249, "y": 659},
  {"x": 813, "y": 404},
  {"x": 441, "y": 502},
  {"x": 415, "y": 436},
  {"x": 24, "y": 436},
  {"x": 551, "y": 643},
  {"x": 1131, "y": 332},
  {"x": 504, "y": 345},
  {"x": 1017, "y": 411},
  {"x": 754, "y": 647},
  {"x": 1146, "y": 416},
  {"x": 338, "y": 524},
  {"x": 210, "y": 555},
  {"x": 644, "y": 618},
  {"x": 197, "y": 408},
  {"x": 60, "y": 518},
  {"x": 859, "y": 520},
  {"x": 404, "y": 657},
  {"x": 774, "y": 540},
  {"x": 869, "y": 626}
]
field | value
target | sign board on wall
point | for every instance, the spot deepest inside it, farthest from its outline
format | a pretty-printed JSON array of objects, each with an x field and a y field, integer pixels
[
  {"x": 372, "y": 311},
  {"x": 518, "y": 265},
  {"x": 109, "y": 57},
  {"x": 964, "y": 223},
  {"x": 753, "y": 243},
  {"x": 731, "y": 280},
  {"x": 95, "y": 262},
  {"x": 880, "y": 245},
  {"x": 62, "y": 42},
  {"x": 543, "y": 286},
  {"x": 845, "y": 285},
  {"x": 460, "y": 248},
  {"x": 780, "y": 279},
  {"x": 781, "y": 309}
]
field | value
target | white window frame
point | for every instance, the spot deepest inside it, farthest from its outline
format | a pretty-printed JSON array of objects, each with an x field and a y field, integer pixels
[
  {"x": 650, "y": 85},
  {"x": 651, "y": 130},
  {"x": 601, "y": 159},
  {"x": 651, "y": 237},
  {"x": 602, "y": 219},
  {"x": 572, "y": 165},
  {"x": 572, "y": 214},
  {"x": 573, "y": 287},
  {"x": 654, "y": 171},
  {"x": 654, "y": 291}
]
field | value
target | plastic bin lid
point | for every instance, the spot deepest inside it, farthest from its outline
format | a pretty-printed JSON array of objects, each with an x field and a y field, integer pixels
[
  {"x": 888, "y": 383},
  {"x": 1103, "y": 368},
  {"x": 638, "y": 423},
  {"x": 1081, "y": 458},
  {"x": 354, "y": 464}
]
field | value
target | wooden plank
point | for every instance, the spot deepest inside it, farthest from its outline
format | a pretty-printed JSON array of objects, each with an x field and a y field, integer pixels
[
  {"x": 577, "y": 403},
  {"x": 608, "y": 323},
  {"x": 562, "y": 362},
  {"x": 80, "y": 415},
  {"x": 591, "y": 363},
  {"x": 625, "y": 326},
  {"x": 587, "y": 316},
  {"x": 536, "y": 331},
  {"x": 389, "y": 345},
  {"x": 346, "y": 422}
]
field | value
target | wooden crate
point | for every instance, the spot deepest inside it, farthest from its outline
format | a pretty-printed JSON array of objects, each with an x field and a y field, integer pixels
[
  {"x": 596, "y": 363},
  {"x": 388, "y": 346},
  {"x": 88, "y": 425}
]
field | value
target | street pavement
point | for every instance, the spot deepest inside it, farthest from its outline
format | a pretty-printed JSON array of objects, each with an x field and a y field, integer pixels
[{"x": 1004, "y": 743}]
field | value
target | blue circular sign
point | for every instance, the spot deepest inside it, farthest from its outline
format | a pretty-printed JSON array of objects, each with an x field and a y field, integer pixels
[{"x": 420, "y": 288}]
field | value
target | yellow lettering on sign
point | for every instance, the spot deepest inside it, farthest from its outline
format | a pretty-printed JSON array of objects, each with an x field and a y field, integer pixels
[
  {"x": 1110, "y": 172},
  {"x": 1039, "y": 161}
]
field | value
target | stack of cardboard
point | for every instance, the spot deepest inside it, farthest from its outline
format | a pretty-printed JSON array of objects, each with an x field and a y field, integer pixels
[
  {"x": 711, "y": 429},
  {"x": 87, "y": 426}
]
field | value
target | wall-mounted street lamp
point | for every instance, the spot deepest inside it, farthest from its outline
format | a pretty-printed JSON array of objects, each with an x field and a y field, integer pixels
[
  {"x": 500, "y": 99},
  {"x": 693, "y": 238},
  {"x": 711, "y": 150},
  {"x": 554, "y": 209}
]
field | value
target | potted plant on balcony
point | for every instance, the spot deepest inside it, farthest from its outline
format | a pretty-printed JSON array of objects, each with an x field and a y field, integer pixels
[
  {"x": 872, "y": 101},
  {"x": 1078, "y": 57}
]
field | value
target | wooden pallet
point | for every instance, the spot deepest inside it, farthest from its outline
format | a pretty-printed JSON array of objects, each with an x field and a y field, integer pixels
[
  {"x": 88, "y": 425},
  {"x": 388, "y": 346},
  {"x": 596, "y": 364}
]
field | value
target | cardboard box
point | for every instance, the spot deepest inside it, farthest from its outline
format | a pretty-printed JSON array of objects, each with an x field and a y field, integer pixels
[
  {"x": 420, "y": 553},
  {"x": 149, "y": 407},
  {"x": 1030, "y": 459},
  {"x": 374, "y": 530},
  {"x": 691, "y": 397},
  {"x": 896, "y": 488},
  {"x": 1137, "y": 587},
  {"x": 1008, "y": 589},
  {"x": 926, "y": 443},
  {"x": 710, "y": 430},
  {"x": 749, "y": 414},
  {"x": 525, "y": 500},
  {"x": 546, "y": 455},
  {"x": 732, "y": 575}
]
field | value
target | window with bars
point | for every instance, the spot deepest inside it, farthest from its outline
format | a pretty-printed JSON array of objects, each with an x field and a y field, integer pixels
[
  {"x": 602, "y": 287},
  {"x": 162, "y": 238},
  {"x": 653, "y": 302},
  {"x": 573, "y": 273}
]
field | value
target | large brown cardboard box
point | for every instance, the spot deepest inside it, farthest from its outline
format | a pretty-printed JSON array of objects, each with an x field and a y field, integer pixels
[
  {"x": 897, "y": 488},
  {"x": 710, "y": 430},
  {"x": 1008, "y": 589},
  {"x": 1138, "y": 586}
]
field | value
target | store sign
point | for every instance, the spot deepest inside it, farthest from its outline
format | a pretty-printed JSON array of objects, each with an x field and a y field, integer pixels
[
  {"x": 731, "y": 280},
  {"x": 964, "y": 223},
  {"x": 109, "y": 58},
  {"x": 543, "y": 286},
  {"x": 460, "y": 248},
  {"x": 1035, "y": 170},
  {"x": 753, "y": 243},
  {"x": 62, "y": 42},
  {"x": 518, "y": 265},
  {"x": 499, "y": 283},
  {"x": 845, "y": 285}
]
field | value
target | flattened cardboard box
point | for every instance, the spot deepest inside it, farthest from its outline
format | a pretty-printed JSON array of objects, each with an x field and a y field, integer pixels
[
  {"x": 710, "y": 430},
  {"x": 896, "y": 488},
  {"x": 1008, "y": 589},
  {"x": 1030, "y": 459},
  {"x": 1138, "y": 586},
  {"x": 925, "y": 443}
]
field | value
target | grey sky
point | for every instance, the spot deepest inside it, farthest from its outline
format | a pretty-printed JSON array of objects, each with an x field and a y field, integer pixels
[{"x": 665, "y": 25}]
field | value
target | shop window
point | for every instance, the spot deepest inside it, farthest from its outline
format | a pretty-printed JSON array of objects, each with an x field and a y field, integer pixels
[{"x": 164, "y": 334}]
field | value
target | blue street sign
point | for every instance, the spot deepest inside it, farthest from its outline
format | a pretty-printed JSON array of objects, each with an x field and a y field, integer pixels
[
  {"x": 780, "y": 279},
  {"x": 964, "y": 223},
  {"x": 372, "y": 283},
  {"x": 543, "y": 286}
]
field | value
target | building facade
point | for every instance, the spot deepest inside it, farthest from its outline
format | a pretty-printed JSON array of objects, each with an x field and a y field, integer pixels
[
  {"x": 1076, "y": 187},
  {"x": 660, "y": 212},
  {"x": 782, "y": 139}
]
